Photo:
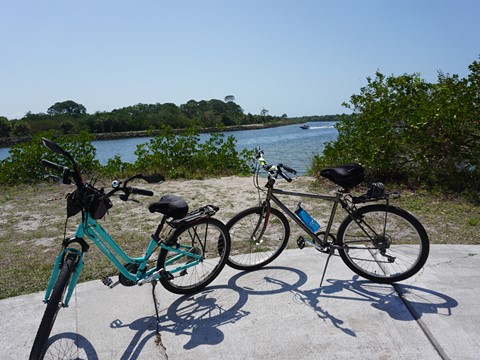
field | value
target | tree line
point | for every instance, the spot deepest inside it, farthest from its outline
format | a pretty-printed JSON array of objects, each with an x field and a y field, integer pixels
[{"x": 69, "y": 117}]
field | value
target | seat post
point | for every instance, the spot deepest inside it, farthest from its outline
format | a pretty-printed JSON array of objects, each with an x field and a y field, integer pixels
[{"x": 159, "y": 228}]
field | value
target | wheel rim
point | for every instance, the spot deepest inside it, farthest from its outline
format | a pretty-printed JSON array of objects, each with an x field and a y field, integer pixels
[
  {"x": 246, "y": 248},
  {"x": 393, "y": 250}
]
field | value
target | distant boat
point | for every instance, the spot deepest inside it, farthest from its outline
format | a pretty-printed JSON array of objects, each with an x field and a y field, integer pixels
[{"x": 305, "y": 127}]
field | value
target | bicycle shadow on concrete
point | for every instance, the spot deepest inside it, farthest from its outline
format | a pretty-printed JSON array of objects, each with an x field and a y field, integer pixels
[
  {"x": 391, "y": 299},
  {"x": 201, "y": 316},
  {"x": 69, "y": 345},
  {"x": 272, "y": 280},
  {"x": 387, "y": 297},
  {"x": 198, "y": 316}
]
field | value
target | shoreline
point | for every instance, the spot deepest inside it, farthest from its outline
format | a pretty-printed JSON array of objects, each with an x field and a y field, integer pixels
[{"x": 9, "y": 142}]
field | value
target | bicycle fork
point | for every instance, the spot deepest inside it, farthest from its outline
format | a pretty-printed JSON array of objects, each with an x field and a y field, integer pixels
[
  {"x": 67, "y": 252},
  {"x": 78, "y": 266},
  {"x": 263, "y": 218}
]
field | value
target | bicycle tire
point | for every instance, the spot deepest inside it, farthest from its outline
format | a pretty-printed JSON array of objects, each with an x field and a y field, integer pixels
[
  {"x": 53, "y": 306},
  {"x": 206, "y": 237},
  {"x": 247, "y": 254},
  {"x": 398, "y": 233}
]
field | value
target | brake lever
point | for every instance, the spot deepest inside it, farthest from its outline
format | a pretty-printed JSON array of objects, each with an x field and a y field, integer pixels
[
  {"x": 61, "y": 180},
  {"x": 52, "y": 177}
]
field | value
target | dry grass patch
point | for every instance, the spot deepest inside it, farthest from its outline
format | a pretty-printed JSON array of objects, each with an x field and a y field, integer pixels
[{"x": 32, "y": 220}]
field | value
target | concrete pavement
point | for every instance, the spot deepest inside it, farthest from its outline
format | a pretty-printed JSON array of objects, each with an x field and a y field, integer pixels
[{"x": 278, "y": 312}]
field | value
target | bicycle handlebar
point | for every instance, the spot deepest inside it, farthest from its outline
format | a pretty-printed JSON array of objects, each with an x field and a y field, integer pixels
[
  {"x": 66, "y": 172},
  {"x": 289, "y": 169},
  {"x": 274, "y": 170},
  {"x": 127, "y": 190},
  {"x": 142, "y": 192},
  {"x": 54, "y": 166}
]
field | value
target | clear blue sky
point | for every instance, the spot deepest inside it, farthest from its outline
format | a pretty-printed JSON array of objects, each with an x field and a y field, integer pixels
[{"x": 299, "y": 57}]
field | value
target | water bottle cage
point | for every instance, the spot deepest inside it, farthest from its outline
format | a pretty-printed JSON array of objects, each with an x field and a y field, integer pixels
[{"x": 305, "y": 217}]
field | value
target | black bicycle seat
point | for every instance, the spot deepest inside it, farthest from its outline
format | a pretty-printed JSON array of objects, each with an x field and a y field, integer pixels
[
  {"x": 170, "y": 205},
  {"x": 347, "y": 176}
]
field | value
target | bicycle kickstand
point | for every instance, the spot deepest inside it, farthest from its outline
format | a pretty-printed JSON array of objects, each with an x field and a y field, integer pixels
[
  {"x": 330, "y": 253},
  {"x": 158, "y": 341},
  {"x": 154, "y": 284}
]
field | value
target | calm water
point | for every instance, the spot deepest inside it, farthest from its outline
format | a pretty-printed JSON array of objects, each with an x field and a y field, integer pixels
[{"x": 289, "y": 144}]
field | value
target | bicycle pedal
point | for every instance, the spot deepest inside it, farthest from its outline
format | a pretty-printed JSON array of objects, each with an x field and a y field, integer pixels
[
  {"x": 107, "y": 281},
  {"x": 165, "y": 274},
  {"x": 301, "y": 242}
]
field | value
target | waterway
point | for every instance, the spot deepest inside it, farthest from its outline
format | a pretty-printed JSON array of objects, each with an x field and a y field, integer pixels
[{"x": 288, "y": 144}]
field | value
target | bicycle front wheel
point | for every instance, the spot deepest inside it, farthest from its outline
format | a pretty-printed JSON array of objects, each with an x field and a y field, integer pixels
[
  {"x": 53, "y": 306},
  {"x": 198, "y": 255},
  {"x": 383, "y": 243},
  {"x": 250, "y": 248}
]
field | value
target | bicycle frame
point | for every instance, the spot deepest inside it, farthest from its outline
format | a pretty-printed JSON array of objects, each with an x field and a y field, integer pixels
[
  {"x": 318, "y": 243},
  {"x": 335, "y": 199},
  {"x": 98, "y": 235}
]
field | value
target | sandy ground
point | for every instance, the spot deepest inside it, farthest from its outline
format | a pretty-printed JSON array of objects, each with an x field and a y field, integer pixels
[
  {"x": 232, "y": 194},
  {"x": 44, "y": 221}
]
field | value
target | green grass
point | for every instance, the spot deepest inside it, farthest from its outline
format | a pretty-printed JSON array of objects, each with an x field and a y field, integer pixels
[
  {"x": 447, "y": 220},
  {"x": 32, "y": 220}
]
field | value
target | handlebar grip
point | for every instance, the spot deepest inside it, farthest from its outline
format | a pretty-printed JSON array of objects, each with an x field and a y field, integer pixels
[
  {"x": 289, "y": 169},
  {"x": 285, "y": 176},
  {"x": 142, "y": 192},
  {"x": 53, "y": 166}
]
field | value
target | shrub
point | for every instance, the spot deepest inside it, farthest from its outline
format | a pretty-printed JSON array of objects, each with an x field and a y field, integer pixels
[
  {"x": 404, "y": 129},
  {"x": 172, "y": 155},
  {"x": 184, "y": 156},
  {"x": 23, "y": 163}
]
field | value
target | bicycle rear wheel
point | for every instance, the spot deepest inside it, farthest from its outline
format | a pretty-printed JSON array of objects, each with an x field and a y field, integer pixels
[
  {"x": 207, "y": 238},
  {"x": 53, "y": 306},
  {"x": 383, "y": 243},
  {"x": 251, "y": 250}
]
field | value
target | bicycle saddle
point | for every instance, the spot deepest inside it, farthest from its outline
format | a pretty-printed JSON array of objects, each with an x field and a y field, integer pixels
[
  {"x": 347, "y": 176},
  {"x": 171, "y": 206}
]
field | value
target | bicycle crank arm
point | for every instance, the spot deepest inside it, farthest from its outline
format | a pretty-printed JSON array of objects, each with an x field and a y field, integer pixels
[
  {"x": 302, "y": 240},
  {"x": 155, "y": 275},
  {"x": 109, "y": 282}
]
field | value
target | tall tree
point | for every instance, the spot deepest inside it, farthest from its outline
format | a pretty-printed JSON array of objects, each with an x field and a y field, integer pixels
[
  {"x": 5, "y": 127},
  {"x": 229, "y": 98},
  {"x": 68, "y": 107}
]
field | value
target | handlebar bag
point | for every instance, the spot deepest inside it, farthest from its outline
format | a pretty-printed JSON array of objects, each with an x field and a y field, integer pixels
[
  {"x": 74, "y": 204},
  {"x": 99, "y": 207}
]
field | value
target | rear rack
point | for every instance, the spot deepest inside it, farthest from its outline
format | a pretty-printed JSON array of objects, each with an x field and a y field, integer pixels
[
  {"x": 365, "y": 198},
  {"x": 199, "y": 214}
]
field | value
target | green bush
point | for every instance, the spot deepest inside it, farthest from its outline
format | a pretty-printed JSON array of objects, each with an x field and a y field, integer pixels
[
  {"x": 172, "y": 155},
  {"x": 407, "y": 130},
  {"x": 23, "y": 163},
  {"x": 184, "y": 156}
]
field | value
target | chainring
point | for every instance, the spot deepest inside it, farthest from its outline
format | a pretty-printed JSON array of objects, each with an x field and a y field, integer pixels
[
  {"x": 123, "y": 280},
  {"x": 330, "y": 241}
]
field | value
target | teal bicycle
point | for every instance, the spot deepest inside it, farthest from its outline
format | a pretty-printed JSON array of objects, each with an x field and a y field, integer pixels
[{"x": 193, "y": 246}]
